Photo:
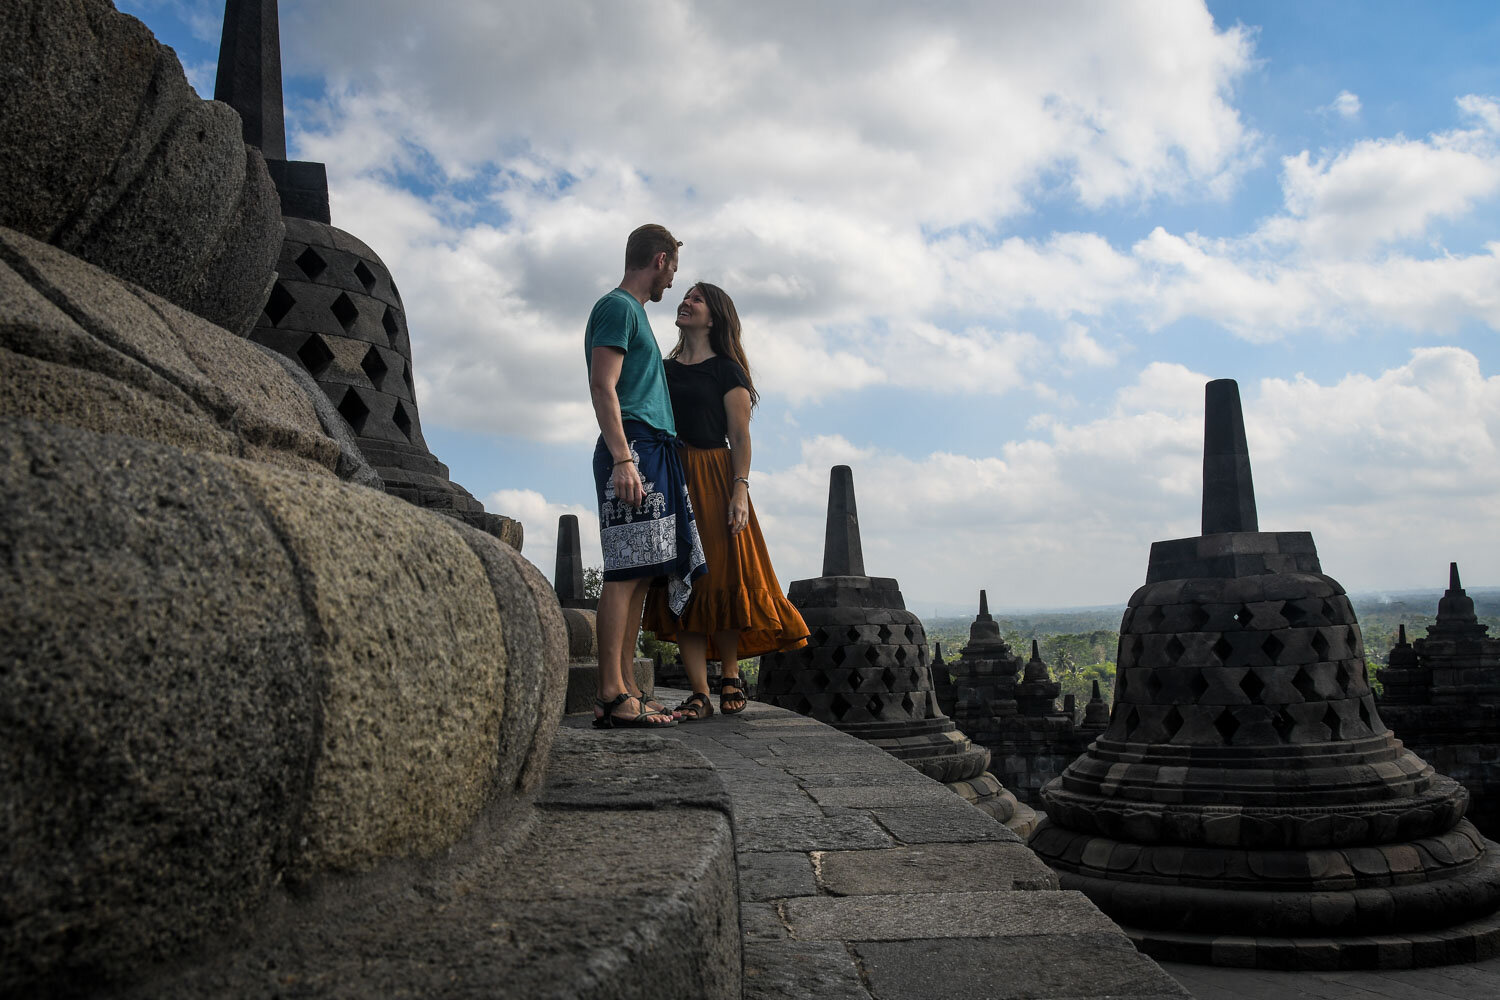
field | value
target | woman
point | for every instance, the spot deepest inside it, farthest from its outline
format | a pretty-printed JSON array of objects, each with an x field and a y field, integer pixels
[{"x": 737, "y": 608}]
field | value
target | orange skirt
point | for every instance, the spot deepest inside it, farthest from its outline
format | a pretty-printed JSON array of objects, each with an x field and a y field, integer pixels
[{"x": 739, "y": 592}]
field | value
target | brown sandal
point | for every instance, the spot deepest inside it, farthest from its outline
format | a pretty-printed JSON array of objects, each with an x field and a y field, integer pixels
[
  {"x": 696, "y": 708},
  {"x": 735, "y": 692}
]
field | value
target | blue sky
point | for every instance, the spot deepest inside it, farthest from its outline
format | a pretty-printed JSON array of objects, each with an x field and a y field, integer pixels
[{"x": 985, "y": 253}]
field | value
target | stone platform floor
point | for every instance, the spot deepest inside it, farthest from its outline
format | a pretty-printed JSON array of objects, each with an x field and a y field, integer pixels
[
  {"x": 1478, "y": 981},
  {"x": 860, "y": 878}
]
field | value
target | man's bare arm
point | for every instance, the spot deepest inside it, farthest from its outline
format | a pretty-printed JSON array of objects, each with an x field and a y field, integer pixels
[{"x": 604, "y": 375}]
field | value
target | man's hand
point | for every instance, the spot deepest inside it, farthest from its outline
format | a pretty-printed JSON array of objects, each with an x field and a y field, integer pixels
[{"x": 628, "y": 485}]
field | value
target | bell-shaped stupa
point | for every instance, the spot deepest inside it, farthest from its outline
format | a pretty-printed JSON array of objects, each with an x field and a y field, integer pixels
[
  {"x": 334, "y": 307},
  {"x": 865, "y": 669},
  {"x": 1246, "y": 804}
]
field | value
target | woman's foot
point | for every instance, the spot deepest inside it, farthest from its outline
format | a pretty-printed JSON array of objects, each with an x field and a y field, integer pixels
[
  {"x": 695, "y": 708},
  {"x": 731, "y": 695},
  {"x": 625, "y": 711}
]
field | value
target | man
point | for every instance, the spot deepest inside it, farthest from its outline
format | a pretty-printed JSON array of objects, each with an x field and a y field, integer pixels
[{"x": 645, "y": 518}]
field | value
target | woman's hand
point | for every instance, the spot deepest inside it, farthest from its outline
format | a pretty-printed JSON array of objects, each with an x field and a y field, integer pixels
[{"x": 739, "y": 508}]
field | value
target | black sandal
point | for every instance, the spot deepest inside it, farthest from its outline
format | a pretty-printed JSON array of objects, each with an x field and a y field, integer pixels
[
  {"x": 696, "y": 708},
  {"x": 736, "y": 692},
  {"x": 611, "y": 721}
]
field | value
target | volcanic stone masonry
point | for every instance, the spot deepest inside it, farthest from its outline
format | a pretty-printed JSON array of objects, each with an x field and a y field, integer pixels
[
  {"x": 334, "y": 307},
  {"x": 1443, "y": 699},
  {"x": 1029, "y": 740},
  {"x": 864, "y": 669},
  {"x": 1247, "y": 805}
]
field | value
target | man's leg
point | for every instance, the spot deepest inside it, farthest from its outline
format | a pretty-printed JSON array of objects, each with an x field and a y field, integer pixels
[
  {"x": 633, "y": 637},
  {"x": 619, "y": 619}
]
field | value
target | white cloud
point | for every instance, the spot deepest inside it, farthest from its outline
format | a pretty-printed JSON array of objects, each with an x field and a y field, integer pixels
[
  {"x": 1346, "y": 105},
  {"x": 538, "y": 517},
  {"x": 1395, "y": 475}
]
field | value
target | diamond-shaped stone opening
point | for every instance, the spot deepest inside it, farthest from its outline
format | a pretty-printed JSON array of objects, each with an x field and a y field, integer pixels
[
  {"x": 853, "y": 680},
  {"x": 1155, "y": 617},
  {"x": 819, "y": 636},
  {"x": 391, "y": 327},
  {"x": 1132, "y": 722},
  {"x": 803, "y": 707},
  {"x": 1174, "y": 649},
  {"x": 888, "y": 678},
  {"x": 1198, "y": 685},
  {"x": 1305, "y": 685},
  {"x": 402, "y": 421},
  {"x": 344, "y": 311},
  {"x": 1327, "y": 610},
  {"x": 1351, "y": 637},
  {"x": 411, "y": 390},
  {"x": 1334, "y": 723},
  {"x": 315, "y": 355},
  {"x": 910, "y": 635},
  {"x": 1343, "y": 677},
  {"x": 1120, "y": 677},
  {"x": 909, "y": 706},
  {"x": 354, "y": 410},
  {"x": 311, "y": 263},
  {"x": 1153, "y": 685},
  {"x": 374, "y": 366},
  {"x": 821, "y": 680},
  {"x": 839, "y": 706},
  {"x": 1283, "y": 723},
  {"x": 1243, "y": 616},
  {"x": 1198, "y": 617},
  {"x": 1227, "y": 725},
  {"x": 1172, "y": 722},
  {"x": 852, "y": 635},
  {"x": 873, "y": 706},
  {"x": 901, "y": 654},
  {"x": 1294, "y": 613},
  {"x": 1252, "y": 685},
  {"x": 1320, "y": 644},
  {"x": 1272, "y": 647},
  {"x": 1137, "y": 644},
  {"x": 1364, "y": 715},
  {"x": 279, "y": 304},
  {"x": 365, "y": 275},
  {"x": 1222, "y": 649},
  {"x": 871, "y": 654},
  {"x": 837, "y": 656},
  {"x": 884, "y": 633}
]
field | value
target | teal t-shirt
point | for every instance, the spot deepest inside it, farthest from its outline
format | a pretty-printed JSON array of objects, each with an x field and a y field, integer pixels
[{"x": 618, "y": 320}]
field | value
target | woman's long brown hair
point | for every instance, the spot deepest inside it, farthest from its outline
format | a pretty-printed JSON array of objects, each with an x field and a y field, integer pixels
[{"x": 723, "y": 332}]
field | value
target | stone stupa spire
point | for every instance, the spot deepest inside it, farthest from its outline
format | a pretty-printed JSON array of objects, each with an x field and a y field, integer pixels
[
  {"x": 249, "y": 77},
  {"x": 842, "y": 554},
  {"x": 1228, "y": 492}
]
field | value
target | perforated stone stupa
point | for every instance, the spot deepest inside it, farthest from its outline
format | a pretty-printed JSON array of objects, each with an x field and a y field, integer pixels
[
  {"x": 1247, "y": 805},
  {"x": 1442, "y": 697},
  {"x": 1010, "y": 708},
  {"x": 334, "y": 307},
  {"x": 865, "y": 668}
]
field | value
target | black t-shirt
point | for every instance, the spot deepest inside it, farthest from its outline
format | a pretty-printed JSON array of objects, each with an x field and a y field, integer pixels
[{"x": 698, "y": 398}]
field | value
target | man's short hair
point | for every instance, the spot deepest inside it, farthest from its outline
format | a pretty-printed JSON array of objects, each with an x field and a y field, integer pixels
[{"x": 645, "y": 243}]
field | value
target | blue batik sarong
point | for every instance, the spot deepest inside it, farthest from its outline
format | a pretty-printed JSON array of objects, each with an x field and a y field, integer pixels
[{"x": 660, "y": 537}]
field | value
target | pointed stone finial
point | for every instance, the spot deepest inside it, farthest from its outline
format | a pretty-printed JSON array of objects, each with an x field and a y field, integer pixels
[
  {"x": 1035, "y": 653},
  {"x": 567, "y": 578},
  {"x": 1456, "y": 609},
  {"x": 1453, "y": 583},
  {"x": 249, "y": 78},
  {"x": 984, "y": 605},
  {"x": 1401, "y": 635},
  {"x": 1096, "y": 696},
  {"x": 842, "y": 555},
  {"x": 1036, "y": 670},
  {"x": 1095, "y": 713},
  {"x": 1228, "y": 493},
  {"x": 937, "y": 653}
]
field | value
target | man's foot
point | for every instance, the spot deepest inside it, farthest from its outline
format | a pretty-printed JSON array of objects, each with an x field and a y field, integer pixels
[
  {"x": 731, "y": 696},
  {"x": 651, "y": 704},
  {"x": 626, "y": 712}
]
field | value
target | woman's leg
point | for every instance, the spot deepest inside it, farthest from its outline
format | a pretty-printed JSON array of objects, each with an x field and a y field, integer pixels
[
  {"x": 694, "y": 648},
  {"x": 727, "y": 645}
]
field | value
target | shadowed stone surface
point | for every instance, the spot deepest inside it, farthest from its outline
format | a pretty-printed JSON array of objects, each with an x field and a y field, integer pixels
[
  {"x": 933, "y": 868},
  {"x": 1246, "y": 784},
  {"x": 912, "y": 917},
  {"x": 1442, "y": 697},
  {"x": 106, "y": 152}
]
